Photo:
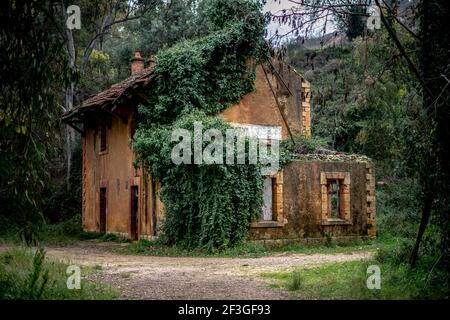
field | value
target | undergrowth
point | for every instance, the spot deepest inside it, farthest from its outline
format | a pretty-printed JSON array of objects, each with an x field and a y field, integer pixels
[
  {"x": 62, "y": 233},
  {"x": 28, "y": 275}
]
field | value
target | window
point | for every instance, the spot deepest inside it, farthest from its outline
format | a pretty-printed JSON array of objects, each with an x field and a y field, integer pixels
[
  {"x": 334, "y": 198},
  {"x": 103, "y": 142},
  {"x": 267, "y": 209},
  {"x": 132, "y": 128},
  {"x": 271, "y": 214},
  {"x": 335, "y": 188}
]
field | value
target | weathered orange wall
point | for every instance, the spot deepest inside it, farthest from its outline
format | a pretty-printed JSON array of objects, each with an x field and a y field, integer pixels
[
  {"x": 260, "y": 106},
  {"x": 114, "y": 170}
]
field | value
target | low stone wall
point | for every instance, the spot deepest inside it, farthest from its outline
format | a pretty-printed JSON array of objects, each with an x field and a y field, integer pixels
[{"x": 278, "y": 243}]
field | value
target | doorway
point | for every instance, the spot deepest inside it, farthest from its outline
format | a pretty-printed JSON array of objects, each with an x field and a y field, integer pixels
[
  {"x": 134, "y": 212},
  {"x": 103, "y": 210}
]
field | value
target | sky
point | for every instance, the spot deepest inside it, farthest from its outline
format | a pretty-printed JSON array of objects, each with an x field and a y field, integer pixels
[{"x": 275, "y": 6}]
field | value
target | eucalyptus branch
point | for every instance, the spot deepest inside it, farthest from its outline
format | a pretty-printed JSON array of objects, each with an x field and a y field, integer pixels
[{"x": 402, "y": 50}]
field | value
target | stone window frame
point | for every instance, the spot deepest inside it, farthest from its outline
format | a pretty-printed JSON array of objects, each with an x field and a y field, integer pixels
[
  {"x": 326, "y": 178},
  {"x": 278, "y": 219}
]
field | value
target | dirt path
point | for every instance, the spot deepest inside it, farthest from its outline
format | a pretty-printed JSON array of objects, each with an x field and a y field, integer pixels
[{"x": 148, "y": 277}]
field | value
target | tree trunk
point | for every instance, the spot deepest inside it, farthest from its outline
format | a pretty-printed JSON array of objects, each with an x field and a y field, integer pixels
[
  {"x": 69, "y": 133},
  {"x": 100, "y": 33},
  {"x": 68, "y": 101},
  {"x": 426, "y": 213}
]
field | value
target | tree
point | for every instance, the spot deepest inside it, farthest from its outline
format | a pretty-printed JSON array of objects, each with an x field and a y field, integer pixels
[
  {"x": 353, "y": 20},
  {"x": 33, "y": 65},
  {"x": 307, "y": 18},
  {"x": 434, "y": 70},
  {"x": 428, "y": 157},
  {"x": 171, "y": 22},
  {"x": 99, "y": 18}
]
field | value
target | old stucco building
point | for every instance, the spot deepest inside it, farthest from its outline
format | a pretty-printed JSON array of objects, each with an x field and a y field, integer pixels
[{"x": 313, "y": 197}]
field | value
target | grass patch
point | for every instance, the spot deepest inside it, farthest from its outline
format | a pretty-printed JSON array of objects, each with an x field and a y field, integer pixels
[
  {"x": 60, "y": 234},
  {"x": 348, "y": 280},
  {"x": 335, "y": 248},
  {"x": 247, "y": 249},
  {"x": 28, "y": 275},
  {"x": 330, "y": 281},
  {"x": 97, "y": 267},
  {"x": 70, "y": 231},
  {"x": 125, "y": 275},
  {"x": 155, "y": 248},
  {"x": 295, "y": 282}
]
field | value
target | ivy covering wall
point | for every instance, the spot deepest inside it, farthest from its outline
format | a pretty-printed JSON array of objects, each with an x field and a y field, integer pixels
[{"x": 206, "y": 205}]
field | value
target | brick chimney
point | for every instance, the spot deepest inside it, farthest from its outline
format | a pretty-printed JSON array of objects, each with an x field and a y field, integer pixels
[{"x": 137, "y": 63}]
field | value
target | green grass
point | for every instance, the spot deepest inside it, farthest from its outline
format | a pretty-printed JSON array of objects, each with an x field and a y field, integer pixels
[
  {"x": 43, "y": 233},
  {"x": 330, "y": 281},
  {"x": 154, "y": 248},
  {"x": 29, "y": 275},
  {"x": 70, "y": 231},
  {"x": 326, "y": 248},
  {"x": 347, "y": 280},
  {"x": 60, "y": 234},
  {"x": 295, "y": 281},
  {"x": 247, "y": 249}
]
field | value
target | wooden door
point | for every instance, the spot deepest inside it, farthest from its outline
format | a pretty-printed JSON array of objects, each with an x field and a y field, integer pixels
[
  {"x": 134, "y": 212},
  {"x": 103, "y": 209}
]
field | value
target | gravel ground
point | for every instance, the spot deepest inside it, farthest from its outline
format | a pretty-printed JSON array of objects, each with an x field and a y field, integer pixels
[{"x": 149, "y": 277}]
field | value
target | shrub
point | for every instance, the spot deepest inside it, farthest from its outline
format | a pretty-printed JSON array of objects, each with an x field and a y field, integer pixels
[
  {"x": 329, "y": 240},
  {"x": 208, "y": 206},
  {"x": 295, "y": 282}
]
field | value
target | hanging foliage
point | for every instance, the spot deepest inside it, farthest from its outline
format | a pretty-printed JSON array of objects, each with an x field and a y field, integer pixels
[{"x": 206, "y": 205}]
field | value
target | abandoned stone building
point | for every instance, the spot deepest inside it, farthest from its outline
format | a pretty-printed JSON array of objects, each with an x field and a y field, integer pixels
[{"x": 327, "y": 194}]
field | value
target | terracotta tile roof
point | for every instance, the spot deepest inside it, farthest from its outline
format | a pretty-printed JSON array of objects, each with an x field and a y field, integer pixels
[
  {"x": 132, "y": 88},
  {"x": 117, "y": 93}
]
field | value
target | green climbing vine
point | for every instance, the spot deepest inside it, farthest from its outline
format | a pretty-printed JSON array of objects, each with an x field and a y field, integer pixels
[{"x": 206, "y": 205}]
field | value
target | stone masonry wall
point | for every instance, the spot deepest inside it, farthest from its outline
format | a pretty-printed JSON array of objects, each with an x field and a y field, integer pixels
[{"x": 303, "y": 204}]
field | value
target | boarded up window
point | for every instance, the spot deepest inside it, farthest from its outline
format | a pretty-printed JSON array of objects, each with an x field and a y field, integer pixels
[
  {"x": 334, "y": 198},
  {"x": 267, "y": 209},
  {"x": 271, "y": 214}
]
